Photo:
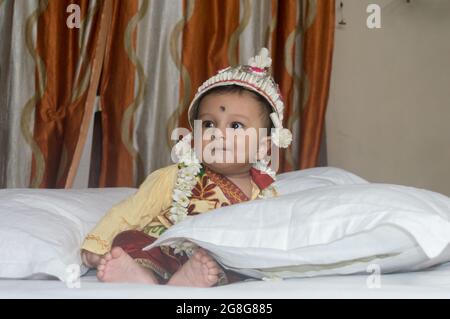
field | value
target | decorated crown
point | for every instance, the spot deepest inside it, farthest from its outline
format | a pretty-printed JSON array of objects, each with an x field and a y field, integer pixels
[{"x": 256, "y": 77}]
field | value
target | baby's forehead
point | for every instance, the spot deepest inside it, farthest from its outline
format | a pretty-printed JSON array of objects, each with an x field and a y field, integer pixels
[
  {"x": 226, "y": 110},
  {"x": 244, "y": 102}
]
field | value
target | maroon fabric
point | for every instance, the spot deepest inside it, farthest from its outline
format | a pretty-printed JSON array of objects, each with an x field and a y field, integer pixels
[
  {"x": 261, "y": 179},
  {"x": 133, "y": 241}
]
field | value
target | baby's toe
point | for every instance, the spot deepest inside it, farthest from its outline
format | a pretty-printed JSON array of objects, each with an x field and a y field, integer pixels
[
  {"x": 206, "y": 259},
  {"x": 211, "y": 264},
  {"x": 213, "y": 278},
  {"x": 198, "y": 255},
  {"x": 100, "y": 274},
  {"x": 116, "y": 252},
  {"x": 214, "y": 271}
]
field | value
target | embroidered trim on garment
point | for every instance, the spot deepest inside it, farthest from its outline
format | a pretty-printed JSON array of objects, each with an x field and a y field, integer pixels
[
  {"x": 233, "y": 193},
  {"x": 103, "y": 243},
  {"x": 165, "y": 275}
]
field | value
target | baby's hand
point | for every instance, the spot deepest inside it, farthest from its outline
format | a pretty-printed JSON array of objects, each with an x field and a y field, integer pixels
[{"x": 90, "y": 259}]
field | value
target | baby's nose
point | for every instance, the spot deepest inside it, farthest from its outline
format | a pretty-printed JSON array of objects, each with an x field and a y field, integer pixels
[{"x": 218, "y": 133}]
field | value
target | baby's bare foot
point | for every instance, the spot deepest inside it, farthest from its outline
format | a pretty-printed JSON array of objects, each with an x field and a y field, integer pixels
[
  {"x": 199, "y": 271},
  {"x": 118, "y": 266}
]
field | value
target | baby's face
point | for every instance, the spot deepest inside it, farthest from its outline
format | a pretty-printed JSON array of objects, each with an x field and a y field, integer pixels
[{"x": 231, "y": 124}]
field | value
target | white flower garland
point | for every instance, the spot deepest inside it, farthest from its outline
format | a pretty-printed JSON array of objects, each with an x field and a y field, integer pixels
[
  {"x": 189, "y": 168},
  {"x": 282, "y": 137}
]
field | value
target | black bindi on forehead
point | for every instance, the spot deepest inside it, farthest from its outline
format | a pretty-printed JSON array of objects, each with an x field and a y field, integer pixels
[{"x": 222, "y": 108}]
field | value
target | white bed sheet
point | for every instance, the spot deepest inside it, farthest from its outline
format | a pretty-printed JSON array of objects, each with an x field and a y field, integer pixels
[{"x": 433, "y": 283}]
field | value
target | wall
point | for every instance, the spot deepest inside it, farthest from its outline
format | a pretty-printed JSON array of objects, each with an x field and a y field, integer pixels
[{"x": 388, "y": 117}]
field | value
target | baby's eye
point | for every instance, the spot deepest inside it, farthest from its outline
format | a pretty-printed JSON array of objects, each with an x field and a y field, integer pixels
[
  {"x": 237, "y": 125},
  {"x": 208, "y": 124}
]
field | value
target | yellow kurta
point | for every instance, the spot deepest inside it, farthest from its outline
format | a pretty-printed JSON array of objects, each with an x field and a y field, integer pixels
[{"x": 147, "y": 209}]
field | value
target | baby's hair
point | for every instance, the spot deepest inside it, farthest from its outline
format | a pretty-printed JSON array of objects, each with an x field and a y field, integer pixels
[{"x": 236, "y": 89}]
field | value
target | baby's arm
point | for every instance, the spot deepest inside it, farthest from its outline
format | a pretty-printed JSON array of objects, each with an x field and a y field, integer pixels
[
  {"x": 152, "y": 198},
  {"x": 90, "y": 259}
]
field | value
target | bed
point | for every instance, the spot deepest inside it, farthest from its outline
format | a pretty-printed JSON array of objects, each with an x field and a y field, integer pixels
[
  {"x": 339, "y": 237},
  {"x": 433, "y": 283}
]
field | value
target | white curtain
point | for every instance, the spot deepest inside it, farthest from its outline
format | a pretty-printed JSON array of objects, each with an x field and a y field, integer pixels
[
  {"x": 157, "y": 36},
  {"x": 17, "y": 90}
]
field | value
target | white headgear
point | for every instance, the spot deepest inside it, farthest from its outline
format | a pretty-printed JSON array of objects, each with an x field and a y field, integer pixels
[{"x": 254, "y": 76}]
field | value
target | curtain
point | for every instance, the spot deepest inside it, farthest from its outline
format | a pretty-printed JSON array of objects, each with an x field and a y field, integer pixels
[
  {"x": 317, "y": 53},
  {"x": 47, "y": 76},
  {"x": 64, "y": 69},
  {"x": 152, "y": 55},
  {"x": 118, "y": 97},
  {"x": 17, "y": 87}
]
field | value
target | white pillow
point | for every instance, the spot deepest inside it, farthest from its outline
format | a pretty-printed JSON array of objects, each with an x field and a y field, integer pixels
[
  {"x": 315, "y": 177},
  {"x": 41, "y": 230},
  {"x": 340, "y": 229}
]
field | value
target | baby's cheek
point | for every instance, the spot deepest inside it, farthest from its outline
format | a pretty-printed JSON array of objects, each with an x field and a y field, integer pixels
[{"x": 246, "y": 147}]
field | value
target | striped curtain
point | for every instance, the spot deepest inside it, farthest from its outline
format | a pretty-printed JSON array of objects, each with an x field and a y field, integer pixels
[
  {"x": 46, "y": 76},
  {"x": 144, "y": 60},
  {"x": 64, "y": 64}
]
